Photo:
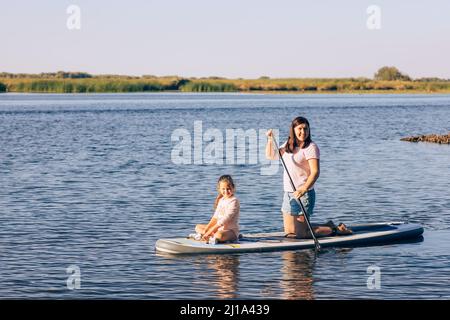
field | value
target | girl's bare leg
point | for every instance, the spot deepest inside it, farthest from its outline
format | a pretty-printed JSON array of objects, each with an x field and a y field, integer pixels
[
  {"x": 225, "y": 235},
  {"x": 200, "y": 228}
]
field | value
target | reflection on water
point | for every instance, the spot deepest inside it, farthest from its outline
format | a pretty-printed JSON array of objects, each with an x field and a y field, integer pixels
[
  {"x": 214, "y": 275},
  {"x": 226, "y": 268},
  {"x": 290, "y": 275},
  {"x": 297, "y": 274}
]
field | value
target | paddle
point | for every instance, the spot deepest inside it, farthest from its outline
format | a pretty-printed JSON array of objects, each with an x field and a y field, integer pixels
[{"x": 316, "y": 242}]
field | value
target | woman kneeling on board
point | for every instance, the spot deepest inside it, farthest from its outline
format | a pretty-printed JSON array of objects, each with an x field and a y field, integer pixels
[{"x": 301, "y": 158}]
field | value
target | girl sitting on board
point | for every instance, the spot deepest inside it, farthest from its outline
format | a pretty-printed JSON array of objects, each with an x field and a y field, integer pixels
[{"x": 224, "y": 225}]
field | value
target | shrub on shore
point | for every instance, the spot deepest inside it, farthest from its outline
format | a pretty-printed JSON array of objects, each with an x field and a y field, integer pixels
[
  {"x": 390, "y": 74},
  {"x": 2, "y": 87}
]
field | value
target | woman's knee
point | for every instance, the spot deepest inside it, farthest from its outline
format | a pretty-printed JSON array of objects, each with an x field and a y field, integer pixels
[
  {"x": 288, "y": 222},
  {"x": 301, "y": 228}
]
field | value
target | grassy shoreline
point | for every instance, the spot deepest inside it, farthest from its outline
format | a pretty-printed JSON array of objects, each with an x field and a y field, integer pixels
[{"x": 122, "y": 84}]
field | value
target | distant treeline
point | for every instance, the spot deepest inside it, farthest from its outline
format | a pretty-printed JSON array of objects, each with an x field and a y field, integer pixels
[
  {"x": 387, "y": 79},
  {"x": 46, "y": 75}
]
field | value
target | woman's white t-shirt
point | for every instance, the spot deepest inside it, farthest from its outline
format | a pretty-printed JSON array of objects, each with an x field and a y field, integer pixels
[{"x": 298, "y": 166}]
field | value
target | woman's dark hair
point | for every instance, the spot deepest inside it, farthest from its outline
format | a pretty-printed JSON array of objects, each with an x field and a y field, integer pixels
[{"x": 292, "y": 141}]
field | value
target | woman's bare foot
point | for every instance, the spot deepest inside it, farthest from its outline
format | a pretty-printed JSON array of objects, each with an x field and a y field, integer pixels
[{"x": 342, "y": 230}]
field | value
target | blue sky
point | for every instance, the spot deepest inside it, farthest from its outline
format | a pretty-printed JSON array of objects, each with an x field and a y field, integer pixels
[{"x": 246, "y": 38}]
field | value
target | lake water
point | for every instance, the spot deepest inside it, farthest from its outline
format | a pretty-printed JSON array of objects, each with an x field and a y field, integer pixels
[{"x": 90, "y": 182}]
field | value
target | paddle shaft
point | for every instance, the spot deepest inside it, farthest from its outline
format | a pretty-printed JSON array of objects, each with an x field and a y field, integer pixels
[{"x": 316, "y": 242}]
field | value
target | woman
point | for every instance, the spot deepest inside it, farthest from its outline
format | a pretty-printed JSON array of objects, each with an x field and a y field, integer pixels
[{"x": 302, "y": 158}]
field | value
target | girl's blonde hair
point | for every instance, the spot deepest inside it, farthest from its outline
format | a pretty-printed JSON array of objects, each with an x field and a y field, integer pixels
[{"x": 225, "y": 178}]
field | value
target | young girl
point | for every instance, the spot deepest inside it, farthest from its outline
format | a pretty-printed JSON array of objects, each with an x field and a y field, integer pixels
[{"x": 224, "y": 225}]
